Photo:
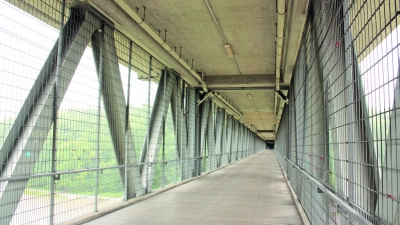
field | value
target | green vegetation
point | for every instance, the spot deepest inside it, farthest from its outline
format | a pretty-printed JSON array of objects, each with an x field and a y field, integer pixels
[{"x": 77, "y": 149}]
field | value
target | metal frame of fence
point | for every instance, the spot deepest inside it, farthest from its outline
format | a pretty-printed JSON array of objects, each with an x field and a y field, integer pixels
[
  {"x": 338, "y": 140},
  {"x": 89, "y": 119}
]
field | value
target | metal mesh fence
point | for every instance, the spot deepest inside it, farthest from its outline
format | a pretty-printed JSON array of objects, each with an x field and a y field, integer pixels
[
  {"x": 338, "y": 140},
  {"x": 88, "y": 119}
]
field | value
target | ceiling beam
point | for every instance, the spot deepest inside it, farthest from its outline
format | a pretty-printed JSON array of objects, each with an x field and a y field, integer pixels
[
  {"x": 240, "y": 81},
  {"x": 265, "y": 131},
  {"x": 234, "y": 89}
]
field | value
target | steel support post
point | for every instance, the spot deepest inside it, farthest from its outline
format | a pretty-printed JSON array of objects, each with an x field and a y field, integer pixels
[
  {"x": 115, "y": 107},
  {"x": 55, "y": 113},
  {"x": 235, "y": 143},
  {"x": 198, "y": 158},
  {"x": 229, "y": 132},
  {"x": 246, "y": 141},
  {"x": 164, "y": 117},
  {"x": 184, "y": 157},
  {"x": 191, "y": 128},
  {"x": 197, "y": 154},
  {"x": 219, "y": 136},
  {"x": 175, "y": 98},
  {"x": 143, "y": 158},
  {"x": 25, "y": 140},
  {"x": 150, "y": 151},
  {"x": 242, "y": 140},
  {"x": 177, "y": 110},
  {"x": 211, "y": 137},
  {"x": 100, "y": 36},
  {"x": 205, "y": 113},
  {"x": 128, "y": 144}
]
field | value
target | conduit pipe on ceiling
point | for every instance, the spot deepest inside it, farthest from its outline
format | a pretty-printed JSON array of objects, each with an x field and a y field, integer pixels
[
  {"x": 279, "y": 44},
  {"x": 136, "y": 17}
]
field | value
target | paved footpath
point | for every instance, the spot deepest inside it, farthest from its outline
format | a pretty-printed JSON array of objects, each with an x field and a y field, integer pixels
[{"x": 251, "y": 191}]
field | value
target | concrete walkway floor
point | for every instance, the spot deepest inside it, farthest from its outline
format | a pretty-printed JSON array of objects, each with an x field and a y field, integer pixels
[{"x": 251, "y": 191}]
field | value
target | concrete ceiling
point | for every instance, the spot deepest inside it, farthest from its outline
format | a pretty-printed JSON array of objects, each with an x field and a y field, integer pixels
[{"x": 249, "y": 26}]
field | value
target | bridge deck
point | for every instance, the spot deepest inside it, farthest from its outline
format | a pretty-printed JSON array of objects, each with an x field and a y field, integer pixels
[{"x": 251, "y": 191}]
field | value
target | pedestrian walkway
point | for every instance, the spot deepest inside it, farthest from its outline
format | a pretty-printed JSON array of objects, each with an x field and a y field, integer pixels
[{"x": 251, "y": 191}]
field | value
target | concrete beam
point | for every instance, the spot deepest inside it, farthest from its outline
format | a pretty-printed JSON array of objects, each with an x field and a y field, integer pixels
[
  {"x": 241, "y": 81},
  {"x": 296, "y": 19},
  {"x": 283, "y": 87},
  {"x": 265, "y": 131}
]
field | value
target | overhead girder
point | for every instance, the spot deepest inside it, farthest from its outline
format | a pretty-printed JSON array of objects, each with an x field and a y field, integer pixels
[{"x": 241, "y": 81}]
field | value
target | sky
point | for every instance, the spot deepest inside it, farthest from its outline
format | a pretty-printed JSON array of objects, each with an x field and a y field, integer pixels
[
  {"x": 380, "y": 72},
  {"x": 25, "y": 43}
]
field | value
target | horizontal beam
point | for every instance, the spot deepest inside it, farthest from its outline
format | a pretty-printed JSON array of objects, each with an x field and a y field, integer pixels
[
  {"x": 265, "y": 131},
  {"x": 230, "y": 89},
  {"x": 229, "y": 81}
]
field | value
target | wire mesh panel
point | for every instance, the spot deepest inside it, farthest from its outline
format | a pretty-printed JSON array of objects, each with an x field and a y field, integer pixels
[
  {"x": 88, "y": 119},
  {"x": 340, "y": 129}
]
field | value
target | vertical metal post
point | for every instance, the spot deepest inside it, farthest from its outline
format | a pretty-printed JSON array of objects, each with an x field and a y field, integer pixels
[
  {"x": 55, "y": 112},
  {"x": 176, "y": 123},
  {"x": 163, "y": 131},
  {"x": 183, "y": 148},
  {"x": 96, "y": 184},
  {"x": 187, "y": 133},
  {"x": 148, "y": 126},
  {"x": 126, "y": 194}
]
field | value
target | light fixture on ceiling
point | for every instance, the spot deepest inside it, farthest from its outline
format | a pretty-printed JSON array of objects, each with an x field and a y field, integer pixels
[{"x": 228, "y": 50}]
